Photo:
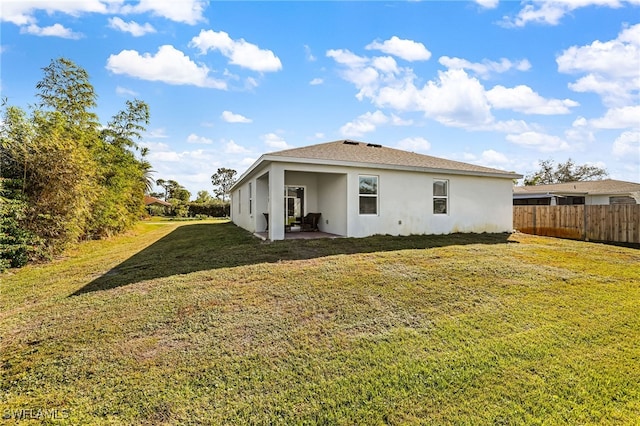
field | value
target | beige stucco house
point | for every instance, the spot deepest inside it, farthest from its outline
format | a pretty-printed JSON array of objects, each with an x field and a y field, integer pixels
[{"x": 363, "y": 189}]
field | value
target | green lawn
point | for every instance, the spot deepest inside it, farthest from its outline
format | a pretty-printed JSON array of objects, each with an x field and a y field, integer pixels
[{"x": 200, "y": 323}]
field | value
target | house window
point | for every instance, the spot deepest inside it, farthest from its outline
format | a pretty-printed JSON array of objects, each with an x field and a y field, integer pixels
[
  {"x": 239, "y": 201},
  {"x": 440, "y": 196},
  {"x": 250, "y": 199},
  {"x": 368, "y": 192}
]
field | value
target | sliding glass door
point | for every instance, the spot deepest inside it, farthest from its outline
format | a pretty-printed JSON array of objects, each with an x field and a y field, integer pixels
[{"x": 293, "y": 204}]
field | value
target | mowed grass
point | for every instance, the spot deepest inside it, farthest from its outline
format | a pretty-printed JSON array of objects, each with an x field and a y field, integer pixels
[{"x": 200, "y": 323}]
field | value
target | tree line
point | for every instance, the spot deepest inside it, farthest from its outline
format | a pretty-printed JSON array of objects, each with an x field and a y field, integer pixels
[{"x": 64, "y": 177}]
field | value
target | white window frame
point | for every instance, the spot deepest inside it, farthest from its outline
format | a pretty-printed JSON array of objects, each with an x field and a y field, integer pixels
[
  {"x": 445, "y": 197},
  {"x": 376, "y": 195},
  {"x": 250, "y": 199}
]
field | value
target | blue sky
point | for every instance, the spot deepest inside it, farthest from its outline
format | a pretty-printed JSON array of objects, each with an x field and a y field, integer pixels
[{"x": 497, "y": 83}]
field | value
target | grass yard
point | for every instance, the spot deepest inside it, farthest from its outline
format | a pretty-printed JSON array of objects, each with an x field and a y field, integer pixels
[{"x": 200, "y": 323}]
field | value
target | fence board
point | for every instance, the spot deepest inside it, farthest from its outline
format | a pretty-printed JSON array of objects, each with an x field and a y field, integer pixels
[{"x": 614, "y": 223}]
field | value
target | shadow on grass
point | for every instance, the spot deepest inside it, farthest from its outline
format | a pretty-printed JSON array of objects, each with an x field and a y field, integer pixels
[{"x": 199, "y": 247}]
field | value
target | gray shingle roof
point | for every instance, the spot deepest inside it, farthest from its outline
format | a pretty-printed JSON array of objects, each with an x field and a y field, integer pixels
[
  {"x": 595, "y": 187},
  {"x": 364, "y": 153}
]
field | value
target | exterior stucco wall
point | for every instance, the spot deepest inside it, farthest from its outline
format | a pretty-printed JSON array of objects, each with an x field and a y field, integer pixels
[
  {"x": 332, "y": 203},
  {"x": 476, "y": 204}
]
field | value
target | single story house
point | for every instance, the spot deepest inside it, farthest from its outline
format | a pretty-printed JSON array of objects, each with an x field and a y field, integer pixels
[
  {"x": 597, "y": 192},
  {"x": 361, "y": 189}
]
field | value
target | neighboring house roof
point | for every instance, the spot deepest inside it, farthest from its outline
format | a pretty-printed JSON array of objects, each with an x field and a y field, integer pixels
[
  {"x": 595, "y": 187},
  {"x": 362, "y": 154},
  {"x": 153, "y": 200}
]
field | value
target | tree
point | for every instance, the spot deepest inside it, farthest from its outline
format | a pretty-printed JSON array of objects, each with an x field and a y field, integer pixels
[
  {"x": 203, "y": 197},
  {"x": 173, "y": 190},
  {"x": 222, "y": 182},
  {"x": 62, "y": 177},
  {"x": 550, "y": 173},
  {"x": 65, "y": 88}
]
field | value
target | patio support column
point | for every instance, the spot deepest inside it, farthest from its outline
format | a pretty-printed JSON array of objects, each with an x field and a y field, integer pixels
[{"x": 276, "y": 202}]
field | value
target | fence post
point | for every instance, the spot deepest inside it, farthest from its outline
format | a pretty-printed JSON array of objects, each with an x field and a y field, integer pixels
[
  {"x": 535, "y": 231},
  {"x": 585, "y": 218}
]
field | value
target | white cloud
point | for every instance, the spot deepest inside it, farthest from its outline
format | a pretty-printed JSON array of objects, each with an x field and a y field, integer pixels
[
  {"x": 230, "y": 117},
  {"x": 611, "y": 67},
  {"x": 275, "y": 141},
  {"x": 491, "y": 156},
  {"x": 417, "y": 144},
  {"x": 550, "y": 12},
  {"x": 132, "y": 27},
  {"x": 158, "y": 133},
  {"x": 185, "y": 11},
  {"x": 524, "y": 99},
  {"x": 627, "y": 145},
  {"x": 168, "y": 65},
  {"x": 408, "y": 50},
  {"x": 308, "y": 54},
  {"x": 346, "y": 57},
  {"x": 485, "y": 68},
  {"x": 233, "y": 148},
  {"x": 618, "y": 118},
  {"x": 455, "y": 99},
  {"x": 369, "y": 121},
  {"x": 22, "y": 12},
  {"x": 316, "y": 81},
  {"x": 488, "y": 4},
  {"x": 123, "y": 91},
  {"x": 239, "y": 52},
  {"x": 55, "y": 30},
  {"x": 364, "y": 124},
  {"x": 319, "y": 135},
  {"x": 540, "y": 141},
  {"x": 193, "y": 138}
]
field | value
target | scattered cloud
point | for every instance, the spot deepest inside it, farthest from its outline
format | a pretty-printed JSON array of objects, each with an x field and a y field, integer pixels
[
  {"x": 524, "y": 99},
  {"x": 132, "y": 27},
  {"x": 316, "y": 81},
  {"x": 539, "y": 141},
  {"x": 168, "y": 65},
  {"x": 193, "y": 138},
  {"x": 618, "y": 118},
  {"x": 365, "y": 123},
  {"x": 22, "y": 12},
  {"x": 611, "y": 67},
  {"x": 550, "y": 12},
  {"x": 184, "y": 11},
  {"x": 417, "y": 144},
  {"x": 308, "y": 55},
  {"x": 123, "y": 91},
  {"x": 369, "y": 121},
  {"x": 239, "y": 52},
  {"x": 408, "y": 50},
  {"x": 275, "y": 142},
  {"x": 486, "y": 68},
  {"x": 230, "y": 117},
  {"x": 491, "y": 156},
  {"x": 55, "y": 30},
  {"x": 159, "y": 133},
  {"x": 627, "y": 145},
  {"x": 233, "y": 148},
  {"x": 488, "y": 4}
]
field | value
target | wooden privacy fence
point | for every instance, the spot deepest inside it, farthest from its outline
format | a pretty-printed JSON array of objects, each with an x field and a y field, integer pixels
[{"x": 615, "y": 223}]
